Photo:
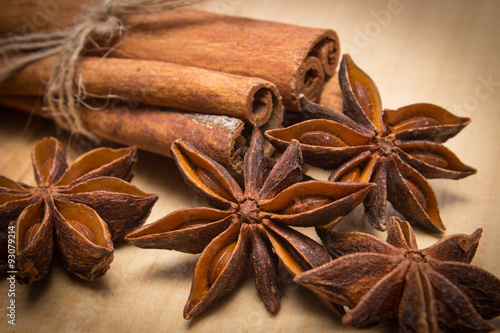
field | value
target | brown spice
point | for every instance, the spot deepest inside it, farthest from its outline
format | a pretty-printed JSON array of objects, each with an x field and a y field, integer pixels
[
  {"x": 397, "y": 149},
  {"x": 298, "y": 60},
  {"x": 155, "y": 129},
  {"x": 252, "y": 100},
  {"x": 425, "y": 289},
  {"x": 88, "y": 205},
  {"x": 255, "y": 221}
]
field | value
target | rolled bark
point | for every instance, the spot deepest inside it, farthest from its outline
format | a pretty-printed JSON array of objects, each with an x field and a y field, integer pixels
[
  {"x": 296, "y": 59},
  {"x": 155, "y": 129},
  {"x": 253, "y": 100}
]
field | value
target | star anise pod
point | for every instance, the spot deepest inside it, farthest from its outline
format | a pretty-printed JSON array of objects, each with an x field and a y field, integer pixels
[
  {"x": 256, "y": 221},
  {"x": 397, "y": 149},
  {"x": 81, "y": 209},
  {"x": 424, "y": 289}
]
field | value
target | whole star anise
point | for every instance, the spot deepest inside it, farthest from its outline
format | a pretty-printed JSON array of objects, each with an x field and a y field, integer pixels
[
  {"x": 397, "y": 149},
  {"x": 424, "y": 289},
  {"x": 255, "y": 221},
  {"x": 81, "y": 209}
]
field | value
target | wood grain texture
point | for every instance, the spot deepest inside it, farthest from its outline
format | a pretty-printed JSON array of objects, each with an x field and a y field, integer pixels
[{"x": 441, "y": 52}]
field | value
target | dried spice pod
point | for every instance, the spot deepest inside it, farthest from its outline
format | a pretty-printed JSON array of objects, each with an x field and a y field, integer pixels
[
  {"x": 396, "y": 149},
  {"x": 323, "y": 149},
  {"x": 295, "y": 205},
  {"x": 255, "y": 221},
  {"x": 129, "y": 203},
  {"x": 427, "y": 290},
  {"x": 423, "y": 121},
  {"x": 82, "y": 239},
  {"x": 170, "y": 232},
  {"x": 213, "y": 276},
  {"x": 81, "y": 209},
  {"x": 432, "y": 160},
  {"x": 411, "y": 194},
  {"x": 34, "y": 242}
]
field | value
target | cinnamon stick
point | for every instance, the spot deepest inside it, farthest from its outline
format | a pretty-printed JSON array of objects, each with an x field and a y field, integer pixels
[
  {"x": 253, "y": 100},
  {"x": 155, "y": 129},
  {"x": 296, "y": 59}
]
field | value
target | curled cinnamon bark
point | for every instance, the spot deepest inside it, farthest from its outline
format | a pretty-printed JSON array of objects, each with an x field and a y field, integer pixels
[
  {"x": 296, "y": 59},
  {"x": 253, "y": 100},
  {"x": 155, "y": 129}
]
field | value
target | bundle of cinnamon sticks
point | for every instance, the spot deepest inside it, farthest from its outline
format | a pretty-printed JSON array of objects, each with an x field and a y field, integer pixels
[{"x": 183, "y": 73}]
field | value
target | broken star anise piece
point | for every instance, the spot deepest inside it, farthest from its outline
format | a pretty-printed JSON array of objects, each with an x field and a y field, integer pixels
[
  {"x": 81, "y": 209},
  {"x": 424, "y": 289},
  {"x": 397, "y": 149},
  {"x": 256, "y": 221}
]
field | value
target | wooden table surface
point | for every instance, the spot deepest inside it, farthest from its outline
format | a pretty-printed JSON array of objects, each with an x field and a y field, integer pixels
[{"x": 442, "y": 52}]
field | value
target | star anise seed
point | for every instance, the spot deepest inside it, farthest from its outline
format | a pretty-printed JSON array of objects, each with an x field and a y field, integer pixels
[
  {"x": 425, "y": 289},
  {"x": 252, "y": 222},
  {"x": 397, "y": 149},
  {"x": 88, "y": 205}
]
